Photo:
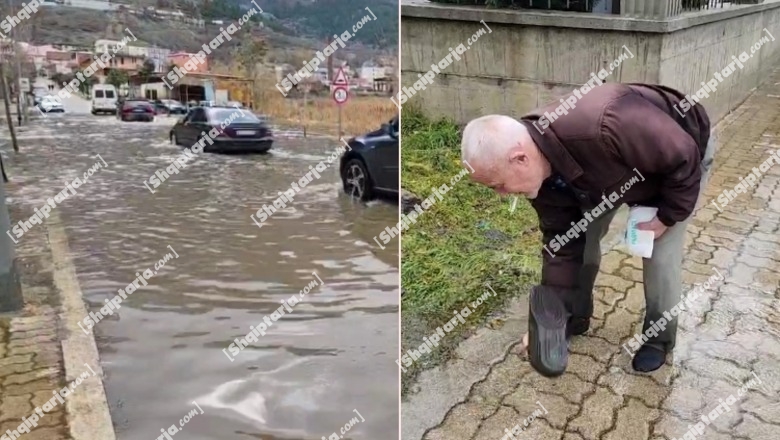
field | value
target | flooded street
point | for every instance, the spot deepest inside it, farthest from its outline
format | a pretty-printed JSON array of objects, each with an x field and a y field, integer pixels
[{"x": 332, "y": 354}]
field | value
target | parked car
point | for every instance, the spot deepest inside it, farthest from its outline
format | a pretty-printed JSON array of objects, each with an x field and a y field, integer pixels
[
  {"x": 159, "y": 107},
  {"x": 370, "y": 166},
  {"x": 49, "y": 104},
  {"x": 243, "y": 133},
  {"x": 136, "y": 110},
  {"x": 171, "y": 107},
  {"x": 104, "y": 99},
  {"x": 207, "y": 104}
]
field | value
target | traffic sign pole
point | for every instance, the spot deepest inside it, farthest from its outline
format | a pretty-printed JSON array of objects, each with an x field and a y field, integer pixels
[{"x": 340, "y": 91}]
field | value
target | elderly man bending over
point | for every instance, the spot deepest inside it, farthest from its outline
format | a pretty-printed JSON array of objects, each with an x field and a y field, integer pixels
[{"x": 573, "y": 172}]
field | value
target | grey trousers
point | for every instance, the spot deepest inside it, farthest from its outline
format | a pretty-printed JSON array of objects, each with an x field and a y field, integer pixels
[{"x": 662, "y": 273}]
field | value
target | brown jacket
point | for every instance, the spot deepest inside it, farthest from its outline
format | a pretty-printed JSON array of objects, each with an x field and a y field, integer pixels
[{"x": 615, "y": 134}]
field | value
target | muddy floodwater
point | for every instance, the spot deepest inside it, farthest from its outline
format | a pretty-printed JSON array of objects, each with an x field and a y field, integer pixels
[{"x": 330, "y": 358}]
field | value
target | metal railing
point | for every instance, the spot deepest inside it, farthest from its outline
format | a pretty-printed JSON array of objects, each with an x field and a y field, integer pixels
[
  {"x": 647, "y": 9},
  {"x": 670, "y": 8}
]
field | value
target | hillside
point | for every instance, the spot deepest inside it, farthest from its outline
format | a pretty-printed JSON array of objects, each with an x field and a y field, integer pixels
[
  {"x": 312, "y": 19},
  {"x": 320, "y": 19},
  {"x": 81, "y": 27}
]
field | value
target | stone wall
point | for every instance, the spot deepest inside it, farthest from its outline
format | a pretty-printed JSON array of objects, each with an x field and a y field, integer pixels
[{"x": 531, "y": 58}]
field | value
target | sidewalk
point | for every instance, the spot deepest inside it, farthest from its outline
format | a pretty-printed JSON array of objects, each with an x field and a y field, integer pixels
[
  {"x": 39, "y": 352},
  {"x": 731, "y": 332}
]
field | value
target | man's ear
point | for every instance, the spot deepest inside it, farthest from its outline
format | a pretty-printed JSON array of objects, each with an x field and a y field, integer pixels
[{"x": 517, "y": 155}]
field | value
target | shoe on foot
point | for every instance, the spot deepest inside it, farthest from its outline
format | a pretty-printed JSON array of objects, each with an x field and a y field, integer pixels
[
  {"x": 648, "y": 358},
  {"x": 577, "y": 326},
  {"x": 548, "y": 348}
]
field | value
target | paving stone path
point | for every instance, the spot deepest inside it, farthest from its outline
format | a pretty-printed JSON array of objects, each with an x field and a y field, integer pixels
[
  {"x": 31, "y": 363},
  {"x": 730, "y": 336}
]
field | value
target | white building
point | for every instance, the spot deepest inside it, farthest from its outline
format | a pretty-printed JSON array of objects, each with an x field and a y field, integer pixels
[
  {"x": 103, "y": 45},
  {"x": 371, "y": 71}
]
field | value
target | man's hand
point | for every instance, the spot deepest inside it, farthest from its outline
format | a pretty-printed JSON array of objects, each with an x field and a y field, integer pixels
[{"x": 654, "y": 225}]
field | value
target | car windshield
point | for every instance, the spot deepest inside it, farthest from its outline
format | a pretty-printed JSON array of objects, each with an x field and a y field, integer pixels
[
  {"x": 136, "y": 103},
  {"x": 229, "y": 115},
  {"x": 98, "y": 93}
]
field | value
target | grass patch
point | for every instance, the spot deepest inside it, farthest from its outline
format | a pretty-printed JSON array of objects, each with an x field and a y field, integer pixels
[
  {"x": 462, "y": 242},
  {"x": 360, "y": 114}
]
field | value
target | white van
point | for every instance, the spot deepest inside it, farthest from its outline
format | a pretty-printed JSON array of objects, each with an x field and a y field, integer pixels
[{"x": 104, "y": 97}]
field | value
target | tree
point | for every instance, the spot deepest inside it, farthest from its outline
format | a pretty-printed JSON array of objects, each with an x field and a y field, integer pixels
[
  {"x": 86, "y": 85},
  {"x": 146, "y": 71},
  {"x": 58, "y": 78},
  {"x": 116, "y": 77},
  {"x": 250, "y": 52}
]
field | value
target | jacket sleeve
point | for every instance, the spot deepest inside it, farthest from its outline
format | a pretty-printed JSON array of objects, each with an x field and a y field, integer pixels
[
  {"x": 561, "y": 262},
  {"x": 651, "y": 142}
]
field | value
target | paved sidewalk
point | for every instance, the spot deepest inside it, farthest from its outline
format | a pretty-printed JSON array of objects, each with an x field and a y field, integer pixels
[
  {"x": 41, "y": 349},
  {"x": 731, "y": 332},
  {"x": 31, "y": 364}
]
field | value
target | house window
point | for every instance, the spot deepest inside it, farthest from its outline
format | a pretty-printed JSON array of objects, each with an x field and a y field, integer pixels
[{"x": 122, "y": 60}]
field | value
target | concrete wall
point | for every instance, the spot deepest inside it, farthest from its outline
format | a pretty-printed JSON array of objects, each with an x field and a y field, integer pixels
[{"x": 531, "y": 58}]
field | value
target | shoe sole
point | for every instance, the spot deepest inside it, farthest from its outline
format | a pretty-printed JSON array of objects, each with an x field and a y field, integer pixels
[{"x": 548, "y": 348}]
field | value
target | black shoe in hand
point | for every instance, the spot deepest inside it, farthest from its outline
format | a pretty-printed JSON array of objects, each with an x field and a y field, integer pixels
[{"x": 548, "y": 347}]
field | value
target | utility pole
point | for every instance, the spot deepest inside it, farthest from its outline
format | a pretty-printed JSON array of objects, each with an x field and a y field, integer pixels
[
  {"x": 19, "y": 93},
  {"x": 19, "y": 56},
  {"x": 18, "y": 85},
  {"x": 8, "y": 119},
  {"x": 330, "y": 63}
]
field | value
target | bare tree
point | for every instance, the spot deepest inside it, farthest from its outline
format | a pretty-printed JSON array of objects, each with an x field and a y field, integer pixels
[{"x": 250, "y": 51}]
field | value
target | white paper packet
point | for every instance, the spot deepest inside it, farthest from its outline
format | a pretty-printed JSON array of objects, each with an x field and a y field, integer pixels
[{"x": 640, "y": 243}]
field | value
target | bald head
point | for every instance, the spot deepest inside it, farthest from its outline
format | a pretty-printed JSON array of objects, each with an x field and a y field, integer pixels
[
  {"x": 504, "y": 155},
  {"x": 490, "y": 138}
]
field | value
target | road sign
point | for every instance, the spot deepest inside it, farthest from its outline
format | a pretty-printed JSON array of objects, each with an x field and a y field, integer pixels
[
  {"x": 340, "y": 79},
  {"x": 340, "y": 95}
]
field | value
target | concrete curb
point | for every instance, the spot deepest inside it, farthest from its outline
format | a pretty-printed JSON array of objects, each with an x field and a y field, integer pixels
[{"x": 88, "y": 414}]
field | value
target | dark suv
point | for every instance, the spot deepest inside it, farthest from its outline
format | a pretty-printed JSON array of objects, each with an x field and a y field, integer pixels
[{"x": 371, "y": 166}]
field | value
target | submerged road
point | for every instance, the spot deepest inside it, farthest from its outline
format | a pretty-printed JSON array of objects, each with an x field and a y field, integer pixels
[{"x": 329, "y": 358}]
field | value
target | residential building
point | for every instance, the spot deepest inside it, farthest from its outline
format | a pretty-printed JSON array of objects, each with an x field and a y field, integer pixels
[
  {"x": 371, "y": 71},
  {"x": 132, "y": 48},
  {"x": 58, "y": 62},
  {"x": 180, "y": 58},
  {"x": 159, "y": 57}
]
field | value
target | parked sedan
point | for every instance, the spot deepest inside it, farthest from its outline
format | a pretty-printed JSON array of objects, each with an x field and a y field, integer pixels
[
  {"x": 370, "y": 166},
  {"x": 174, "y": 107},
  {"x": 237, "y": 131},
  {"x": 136, "y": 110}
]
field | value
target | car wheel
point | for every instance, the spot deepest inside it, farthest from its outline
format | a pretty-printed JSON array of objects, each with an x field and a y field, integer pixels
[{"x": 357, "y": 182}]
